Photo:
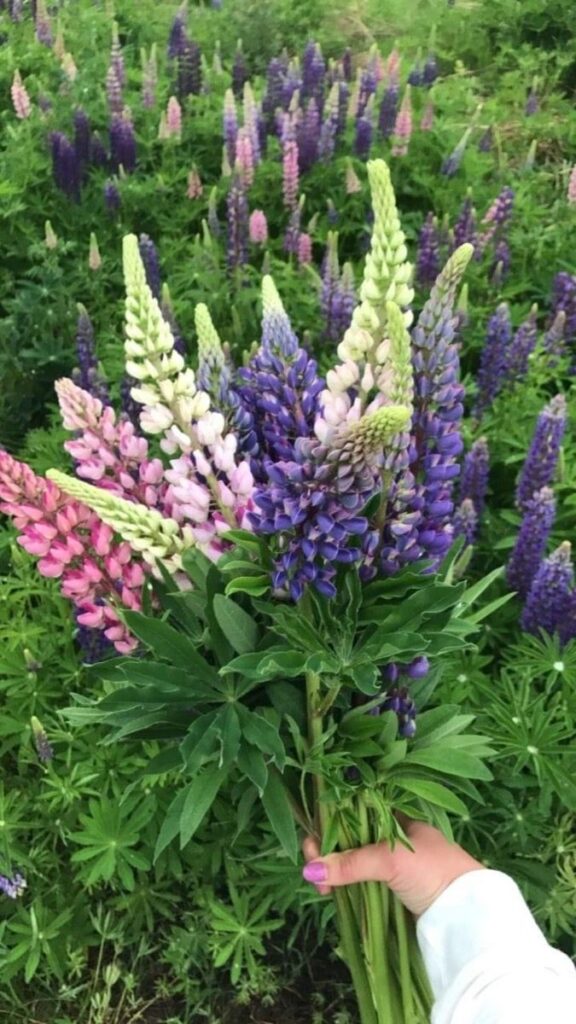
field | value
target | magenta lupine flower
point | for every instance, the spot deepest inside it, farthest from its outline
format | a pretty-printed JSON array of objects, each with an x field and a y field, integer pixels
[
  {"x": 541, "y": 462},
  {"x": 494, "y": 358},
  {"x": 173, "y": 118},
  {"x": 72, "y": 545},
  {"x": 114, "y": 91},
  {"x": 538, "y": 517},
  {"x": 258, "y": 227},
  {"x": 521, "y": 347},
  {"x": 20, "y": 97},
  {"x": 230, "y": 121},
  {"x": 403, "y": 126},
  {"x": 304, "y": 249},
  {"x": 245, "y": 157},
  {"x": 428, "y": 259},
  {"x": 290, "y": 173},
  {"x": 427, "y": 119},
  {"x": 195, "y": 187},
  {"x": 551, "y": 597},
  {"x": 571, "y": 195}
]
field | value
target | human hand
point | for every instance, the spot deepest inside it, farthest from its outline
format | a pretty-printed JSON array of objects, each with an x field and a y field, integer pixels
[{"x": 417, "y": 878}]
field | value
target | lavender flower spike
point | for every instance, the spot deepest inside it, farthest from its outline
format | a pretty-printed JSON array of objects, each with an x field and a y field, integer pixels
[
  {"x": 13, "y": 887},
  {"x": 149, "y": 256},
  {"x": 541, "y": 461},
  {"x": 474, "y": 477},
  {"x": 521, "y": 347},
  {"x": 539, "y": 512},
  {"x": 43, "y": 746},
  {"x": 428, "y": 259},
  {"x": 452, "y": 162},
  {"x": 551, "y": 596},
  {"x": 87, "y": 376},
  {"x": 494, "y": 358}
]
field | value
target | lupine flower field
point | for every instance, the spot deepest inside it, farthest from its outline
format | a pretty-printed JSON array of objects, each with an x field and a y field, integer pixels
[{"x": 287, "y": 491}]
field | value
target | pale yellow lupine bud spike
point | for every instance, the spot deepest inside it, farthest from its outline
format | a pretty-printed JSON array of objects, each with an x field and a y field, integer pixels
[
  {"x": 153, "y": 536},
  {"x": 379, "y": 428},
  {"x": 270, "y": 295},
  {"x": 401, "y": 390}
]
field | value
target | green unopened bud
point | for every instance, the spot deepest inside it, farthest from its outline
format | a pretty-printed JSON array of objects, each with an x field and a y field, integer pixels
[{"x": 50, "y": 236}]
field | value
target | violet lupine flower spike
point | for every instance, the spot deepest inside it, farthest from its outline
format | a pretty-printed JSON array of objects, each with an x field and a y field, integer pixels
[
  {"x": 15, "y": 886},
  {"x": 451, "y": 164},
  {"x": 87, "y": 376},
  {"x": 364, "y": 130},
  {"x": 521, "y": 347},
  {"x": 314, "y": 502},
  {"x": 177, "y": 36},
  {"x": 564, "y": 300},
  {"x": 230, "y": 122},
  {"x": 554, "y": 340},
  {"x": 388, "y": 111},
  {"x": 550, "y": 602},
  {"x": 497, "y": 217},
  {"x": 494, "y": 359},
  {"x": 66, "y": 166},
  {"x": 474, "y": 476},
  {"x": 538, "y": 517},
  {"x": 428, "y": 258},
  {"x": 149, "y": 256},
  {"x": 189, "y": 76},
  {"x": 541, "y": 462},
  {"x": 237, "y": 206},
  {"x": 438, "y": 406},
  {"x": 465, "y": 228},
  {"x": 466, "y": 521},
  {"x": 240, "y": 73},
  {"x": 329, "y": 287},
  {"x": 122, "y": 143},
  {"x": 43, "y": 746}
]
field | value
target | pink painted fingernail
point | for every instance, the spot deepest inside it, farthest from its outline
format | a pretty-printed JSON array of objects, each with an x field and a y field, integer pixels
[{"x": 315, "y": 872}]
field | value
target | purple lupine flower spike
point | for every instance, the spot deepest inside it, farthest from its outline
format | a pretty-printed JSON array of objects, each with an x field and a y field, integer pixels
[
  {"x": 466, "y": 521},
  {"x": 401, "y": 703},
  {"x": 94, "y": 646},
  {"x": 541, "y": 462},
  {"x": 551, "y": 596},
  {"x": 43, "y": 26},
  {"x": 451, "y": 164},
  {"x": 275, "y": 74},
  {"x": 388, "y": 111},
  {"x": 428, "y": 259},
  {"x": 522, "y": 346},
  {"x": 532, "y": 105},
  {"x": 344, "y": 302},
  {"x": 430, "y": 71},
  {"x": 564, "y": 299},
  {"x": 87, "y": 375},
  {"x": 500, "y": 264},
  {"x": 41, "y": 742},
  {"x": 486, "y": 140},
  {"x": 494, "y": 358},
  {"x": 364, "y": 130},
  {"x": 13, "y": 887},
  {"x": 177, "y": 36},
  {"x": 122, "y": 143},
  {"x": 65, "y": 166},
  {"x": 308, "y": 136},
  {"x": 347, "y": 64},
  {"x": 555, "y": 338},
  {"x": 538, "y": 517},
  {"x": 474, "y": 476},
  {"x": 98, "y": 153},
  {"x": 238, "y": 219},
  {"x": 465, "y": 229},
  {"x": 329, "y": 288},
  {"x": 149, "y": 256},
  {"x": 111, "y": 197},
  {"x": 240, "y": 73},
  {"x": 189, "y": 74},
  {"x": 82, "y": 137}
]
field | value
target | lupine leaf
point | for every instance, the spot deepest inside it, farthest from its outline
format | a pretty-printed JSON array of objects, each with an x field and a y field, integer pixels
[
  {"x": 199, "y": 797},
  {"x": 239, "y": 628},
  {"x": 279, "y": 813}
]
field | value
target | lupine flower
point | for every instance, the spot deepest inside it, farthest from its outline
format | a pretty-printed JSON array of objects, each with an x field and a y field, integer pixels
[
  {"x": 215, "y": 378},
  {"x": 392, "y": 68},
  {"x": 173, "y": 118},
  {"x": 532, "y": 103},
  {"x": 252, "y": 121},
  {"x": 363, "y": 136},
  {"x": 541, "y": 462},
  {"x": 344, "y": 301},
  {"x": 313, "y": 74},
  {"x": 521, "y": 347},
  {"x": 571, "y": 195},
  {"x": 245, "y": 158},
  {"x": 501, "y": 263},
  {"x": 550, "y": 596},
  {"x": 98, "y": 154},
  {"x": 116, "y": 56},
  {"x": 466, "y": 521},
  {"x": 343, "y": 97},
  {"x": 497, "y": 216},
  {"x": 486, "y": 140},
  {"x": 149, "y": 78},
  {"x": 189, "y": 78},
  {"x": 82, "y": 136},
  {"x": 16, "y": 10},
  {"x": 416, "y": 75},
  {"x": 195, "y": 187},
  {"x": 438, "y": 406},
  {"x": 403, "y": 126},
  {"x": 530, "y": 158},
  {"x": 69, "y": 68},
  {"x": 20, "y": 97},
  {"x": 494, "y": 358},
  {"x": 304, "y": 248},
  {"x": 65, "y": 165},
  {"x": 428, "y": 259},
  {"x": 43, "y": 746},
  {"x": 94, "y": 646},
  {"x": 388, "y": 111},
  {"x": 474, "y": 476},
  {"x": 564, "y": 299},
  {"x": 367, "y": 88},
  {"x": 111, "y": 197},
  {"x": 427, "y": 119},
  {"x": 149, "y": 257},
  {"x": 353, "y": 183},
  {"x": 177, "y": 36},
  {"x": 347, "y": 64},
  {"x": 230, "y": 125},
  {"x": 329, "y": 288},
  {"x": 291, "y": 85},
  {"x": 13, "y": 887},
  {"x": 87, "y": 375},
  {"x": 451, "y": 164},
  {"x": 240, "y": 73},
  {"x": 554, "y": 340},
  {"x": 167, "y": 311},
  {"x": 43, "y": 26},
  {"x": 122, "y": 143},
  {"x": 213, "y": 222},
  {"x": 308, "y": 136},
  {"x": 290, "y": 174},
  {"x": 275, "y": 73},
  {"x": 538, "y": 516},
  {"x": 401, "y": 703},
  {"x": 94, "y": 257},
  {"x": 430, "y": 70},
  {"x": 465, "y": 229},
  {"x": 50, "y": 236},
  {"x": 330, "y": 124},
  {"x": 314, "y": 502},
  {"x": 114, "y": 91},
  {"x": 258, "y": 227},
  {"x": 237, "y": 206}
]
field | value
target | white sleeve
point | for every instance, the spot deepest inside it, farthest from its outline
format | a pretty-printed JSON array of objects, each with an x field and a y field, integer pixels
[{"x": 487, "y": 960}]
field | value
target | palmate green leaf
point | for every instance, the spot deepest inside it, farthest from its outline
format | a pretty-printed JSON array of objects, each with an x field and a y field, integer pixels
[
  {"x": 252, "y": 764},
  {"x": 279, "y": 813},
  {"x": 228, "y": 724},
  {"x": 426, "y": 603},
  {"x": 380, "y": 646},
  {"x": 201, "y": 741},
  {"x": 433, "y": 792},
  {"x": 255, "y": 586},
  {"x": 433, "y": 725},
  {"x": 171, "y": 824},
  {"x": 199, "y": 797},
  {"x": 268, "y": 664},
  {"x": 262, "y": 734},
  {"x": 239, "y": 628},
  {"x": 450, "y": 762},
  {"x": 166, "y": 642}
]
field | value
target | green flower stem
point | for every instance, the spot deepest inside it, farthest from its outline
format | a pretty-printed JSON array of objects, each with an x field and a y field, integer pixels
[
  {"x": 351, "y": 948},
  {"x": 404, "y": 961},
  {"x": 376, "y": 936}
]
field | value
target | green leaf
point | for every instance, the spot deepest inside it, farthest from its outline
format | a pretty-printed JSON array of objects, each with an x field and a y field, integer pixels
[
  {"x": 279, "y": 813},
  {"x": 472, "y": 593},
  {"x": 229, "y": 725},
  {"x": 450, "y": 762},
  {"x": 170, "y": 825},
  {"x": 239, "y": 628},
  {"x": 168, "y": 643},
  {"x": 264, "y": 665},
  {"x": 260, "y": 733},
  {"x": 434, "y": 792},
  {"x": 252, "y": 764},
  {"x": 254, "y": 585},
  {"x": 199, "y": 797}
]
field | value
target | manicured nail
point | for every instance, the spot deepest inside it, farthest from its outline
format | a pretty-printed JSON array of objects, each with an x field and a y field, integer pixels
[{"x": 315, "y": 872}]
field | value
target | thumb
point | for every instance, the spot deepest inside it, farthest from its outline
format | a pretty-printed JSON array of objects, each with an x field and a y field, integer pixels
[{"x": 374, "y": 863}]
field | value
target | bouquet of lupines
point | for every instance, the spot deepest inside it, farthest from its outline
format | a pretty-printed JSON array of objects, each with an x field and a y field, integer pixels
[{"x": 275, "y": 567}]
